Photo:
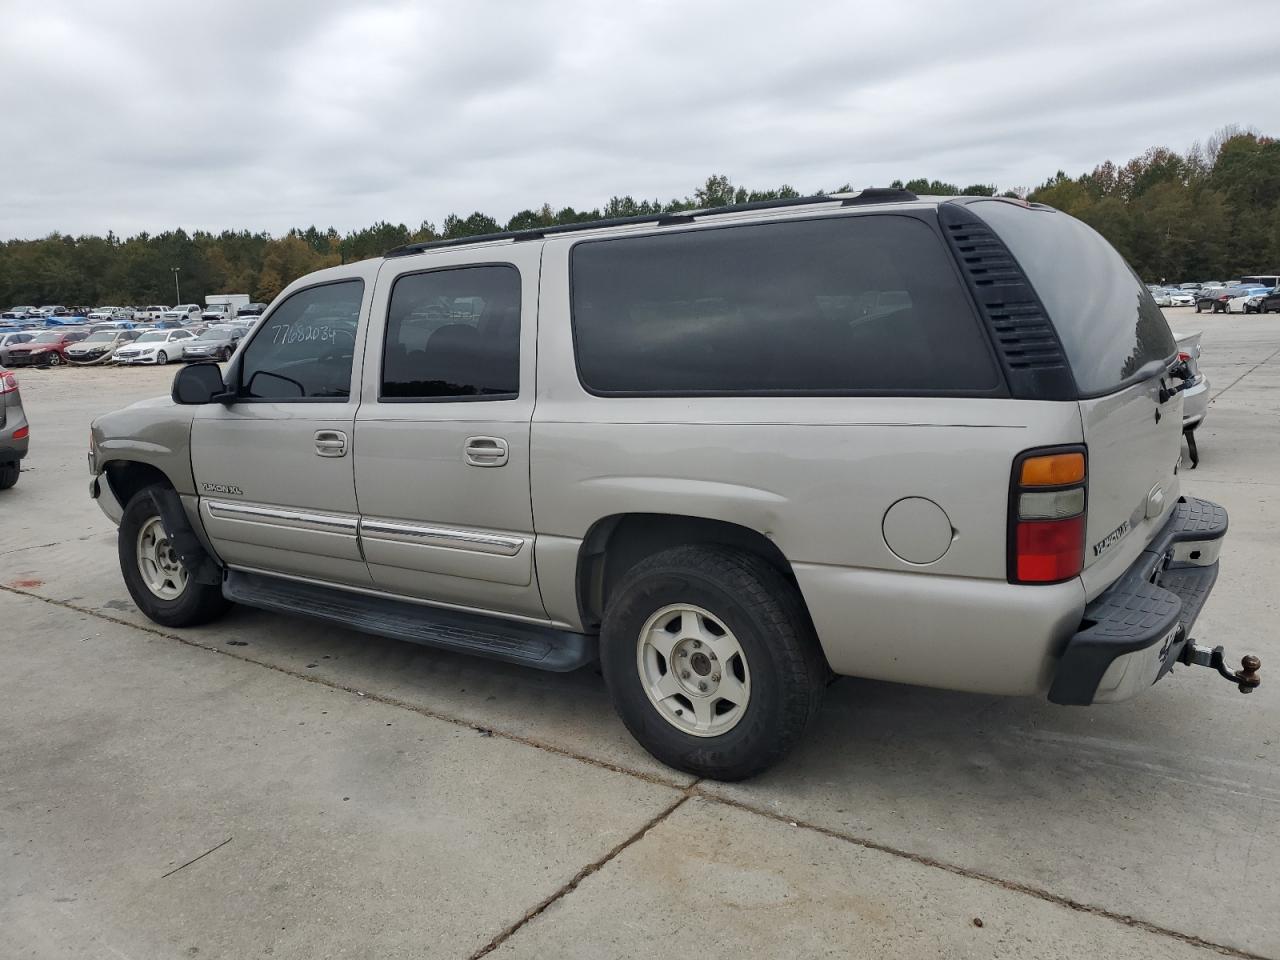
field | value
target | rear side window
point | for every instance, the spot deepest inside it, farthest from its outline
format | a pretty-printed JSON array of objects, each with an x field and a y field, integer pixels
[
  {"x": 454, "y": 335},
  {"x": 844, "y": 305},
  {"x": 1105, "y": 316}
]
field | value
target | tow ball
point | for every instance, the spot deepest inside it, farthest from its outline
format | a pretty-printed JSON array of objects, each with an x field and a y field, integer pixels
[{"x": 1245, "y": 679}]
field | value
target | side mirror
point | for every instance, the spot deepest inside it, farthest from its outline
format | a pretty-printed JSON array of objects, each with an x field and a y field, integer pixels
[{"x": 199, "y": 383}]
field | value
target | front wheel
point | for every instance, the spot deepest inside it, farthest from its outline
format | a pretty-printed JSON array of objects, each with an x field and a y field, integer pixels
[
  {"x": 162, "y": 358},
  {"x": 55, "y": 359},
  {"x": 156, "y": 579},
  {"x": 711, "y": 661}
]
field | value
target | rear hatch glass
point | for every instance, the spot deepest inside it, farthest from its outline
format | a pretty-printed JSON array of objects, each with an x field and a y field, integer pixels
[{"x": 1119, "y": 347}]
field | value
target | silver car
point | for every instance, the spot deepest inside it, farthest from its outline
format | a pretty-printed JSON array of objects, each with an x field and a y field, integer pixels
[
  {"x": 12, "y": 339},
  {"x": 726, "y": 452},
  {"x": 14, "y": 430}
]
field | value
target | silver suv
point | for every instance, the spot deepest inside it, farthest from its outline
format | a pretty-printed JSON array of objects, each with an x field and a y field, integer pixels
[{"x": 728, "y": 452}]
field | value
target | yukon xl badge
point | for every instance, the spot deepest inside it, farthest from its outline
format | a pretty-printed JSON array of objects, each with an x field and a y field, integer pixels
[
  {"x": 1111, "y": 539},
  {"x": 227, "y": 488}
]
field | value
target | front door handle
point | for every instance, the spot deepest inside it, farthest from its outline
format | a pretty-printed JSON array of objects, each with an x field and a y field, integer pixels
[
  {"x": 331, "y": 443},
  {"x": 486, "y": 451}
]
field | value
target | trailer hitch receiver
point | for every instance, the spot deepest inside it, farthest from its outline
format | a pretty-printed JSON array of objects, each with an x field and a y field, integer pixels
[{"x": 1246, "y": 678}]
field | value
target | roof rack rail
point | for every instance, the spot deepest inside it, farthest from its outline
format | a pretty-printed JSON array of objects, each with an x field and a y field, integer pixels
[{"x": 870, "y": 195}]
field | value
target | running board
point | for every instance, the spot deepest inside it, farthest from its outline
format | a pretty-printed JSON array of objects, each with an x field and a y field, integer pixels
[{"x": 529, "y": 645}]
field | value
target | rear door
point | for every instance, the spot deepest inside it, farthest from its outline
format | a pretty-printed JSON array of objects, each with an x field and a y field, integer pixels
[
  {"x": 442, "y": 434},
  {"x": 1120, "y": 349},
  {"x": 274, "y": 466}
]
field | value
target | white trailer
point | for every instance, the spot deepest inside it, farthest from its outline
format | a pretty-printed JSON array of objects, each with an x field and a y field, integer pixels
[{"x": 225, "y": 304}]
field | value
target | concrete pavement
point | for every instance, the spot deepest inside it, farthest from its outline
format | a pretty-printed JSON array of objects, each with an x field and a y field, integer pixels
[{"x": 1141, "y": 829}]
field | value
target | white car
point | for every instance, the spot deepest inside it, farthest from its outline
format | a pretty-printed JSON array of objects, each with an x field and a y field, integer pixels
[
  {"x": 155, "y": 346},
  {"x": 1242, "y": 296},
  {"x": 149, "y": 314},
  {"x": 183, "y": 313},
  {"x": 102, "y": 313},
  {"x": 1173, "y": 297}
]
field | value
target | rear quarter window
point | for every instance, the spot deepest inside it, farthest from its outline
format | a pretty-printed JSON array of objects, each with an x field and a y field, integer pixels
[
  {"x": 868, "y": 304},
  {"x": 1106, "y": 318}
]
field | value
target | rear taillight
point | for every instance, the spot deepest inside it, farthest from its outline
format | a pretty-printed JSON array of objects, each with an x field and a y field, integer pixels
[
  {"x": 1047, "y": 500},
  {"x": 8, "y": 383},
  {"x": 21, "y": 433},
  {"x": 1184, "y": 356}
]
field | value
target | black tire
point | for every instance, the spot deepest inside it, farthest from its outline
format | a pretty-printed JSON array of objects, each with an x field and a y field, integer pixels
[
  {"x": 226, "y": 354},
  {"x": 764, "y": 612},
  {"x": 162, "y": 358},
  {"x": 9, "y": 474},
  {"x": 55, "y": 359},
  {"x": 198, "y": 602},
  {"x": 1198, "y": 310}
]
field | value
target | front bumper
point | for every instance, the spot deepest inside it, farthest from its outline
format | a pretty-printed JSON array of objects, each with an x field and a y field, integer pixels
[
  {"x": 141, "y": 358},
  {"x": 29, "y": 359},
  {"x": 1134, "y": 632}
]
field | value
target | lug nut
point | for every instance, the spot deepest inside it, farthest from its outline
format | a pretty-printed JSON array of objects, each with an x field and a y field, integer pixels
[
  {"x": 684, "y": 653},
  {"x": 684, "y": 674},
  {"x": 697, "y": 644},
  {"x": 715, "y": 678},
  {"x": 702, "y": 685}
]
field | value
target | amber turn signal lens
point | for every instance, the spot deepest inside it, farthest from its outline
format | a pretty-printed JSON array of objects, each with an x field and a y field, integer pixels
[{"x": 1053, "y": 470}]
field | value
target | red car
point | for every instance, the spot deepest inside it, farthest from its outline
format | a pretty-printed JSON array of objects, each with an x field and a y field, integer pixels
[{"x": 47, "y": 347}]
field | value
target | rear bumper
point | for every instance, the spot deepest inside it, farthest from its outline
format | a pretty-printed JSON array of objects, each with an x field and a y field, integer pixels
[
  {"x": 1195, "y": 403},
  {"x": 1134, "y": 631}
]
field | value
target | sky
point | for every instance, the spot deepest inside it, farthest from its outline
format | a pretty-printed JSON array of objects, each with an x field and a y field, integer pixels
[{"x": 269, "y": 114}]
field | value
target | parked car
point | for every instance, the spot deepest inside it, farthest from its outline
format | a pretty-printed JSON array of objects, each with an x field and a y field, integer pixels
[
  {"x": 183, "y": 313},
  {"x": 15, "y": 432},
  {"x": 99, "y": 345},
  {"x": 47, "y": 347},
  {"x": 12, "y": 339},
  {"x": 216, "y": 343},
  {"x": 1212, "y": 299},
  {"x": 149, "y": 314},
  {"x": 217, "y": 313},
  {"x": 1195, "y": 394},
  {"x": 18, "y": 313},
  {"x": 1189, "y": 287},
  {"x": 1173, "y": 297},
  {"x": 154, "y": 346},
  {"x": 101, "y": 313},
  {"x": 731, "y": 445},
  {"x": 1239, "y": 296},
  {"x": 1269, "y": 303},
  {"x": 252, "y": 310}
]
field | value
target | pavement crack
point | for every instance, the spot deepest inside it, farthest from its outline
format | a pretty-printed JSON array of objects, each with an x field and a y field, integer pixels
[
  {"x": 363, "y": 694},
  {"x": 593, "y": 867},
  {"x": 218, "y": 846},
  {"x": 1267, "y": 359},
  {"x": 1013, "y": 886},
  {"x": 690, "y": 790}
]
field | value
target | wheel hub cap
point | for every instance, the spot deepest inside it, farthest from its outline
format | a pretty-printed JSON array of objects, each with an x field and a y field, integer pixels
[
  {"x": 693, "y": 670},
  {"x": 161, "y": 571}
]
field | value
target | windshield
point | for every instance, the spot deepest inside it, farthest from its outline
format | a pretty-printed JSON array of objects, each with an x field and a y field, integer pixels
[
  {"x": 100, "y": 337},
  {"x": 153, "y": 337},
  {"x": 215, "y": 334},
  {"x": 48, "y": 338}
]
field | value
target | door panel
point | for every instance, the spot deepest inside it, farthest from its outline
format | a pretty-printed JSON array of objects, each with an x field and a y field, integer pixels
[
  {"x": 442, "y": 476},
  {"x": 275, "y": 470}
]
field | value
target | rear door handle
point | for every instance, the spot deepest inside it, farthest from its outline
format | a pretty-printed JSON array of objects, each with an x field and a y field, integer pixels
[
  {"x": 331, "y": 443},
  {"x": 486, "y": 451}
]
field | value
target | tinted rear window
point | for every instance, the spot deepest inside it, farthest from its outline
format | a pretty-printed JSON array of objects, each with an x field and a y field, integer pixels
[
  {"x": 1107, "y": 319},
  {"x": 861, "y": 304}
]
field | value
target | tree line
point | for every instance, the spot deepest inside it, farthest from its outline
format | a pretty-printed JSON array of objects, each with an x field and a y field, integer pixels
[{"x": 1212, "y": 212}]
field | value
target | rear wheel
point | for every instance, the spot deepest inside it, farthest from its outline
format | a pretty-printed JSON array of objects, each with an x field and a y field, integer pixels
[
  {"x": 156, "y": 579},
  {"x": 711, "y": 661},
  {"x": 9, "y": 474}
]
